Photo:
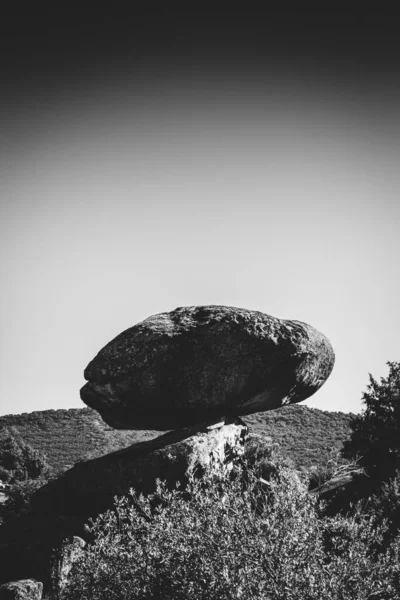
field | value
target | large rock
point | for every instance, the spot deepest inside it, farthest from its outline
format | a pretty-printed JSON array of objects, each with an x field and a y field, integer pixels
[
  {"x": 60, "y": 509},
  {"x": 90, "y": 487},
  {"x": 204, "y": 363},
  {"x": 25, "y": 589}
]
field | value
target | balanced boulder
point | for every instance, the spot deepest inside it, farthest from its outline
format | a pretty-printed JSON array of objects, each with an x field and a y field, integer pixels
[{"x": 203, "y": 363}]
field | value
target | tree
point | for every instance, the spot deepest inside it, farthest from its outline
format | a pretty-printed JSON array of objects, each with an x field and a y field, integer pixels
[
  {"x": 375, "y": 435},
  {"x": 23, "y": 469},
  {"x": 19, "y": 461}
]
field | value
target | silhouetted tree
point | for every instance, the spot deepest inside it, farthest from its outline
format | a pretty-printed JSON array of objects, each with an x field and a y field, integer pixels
[{"x": 375, "y": 437}]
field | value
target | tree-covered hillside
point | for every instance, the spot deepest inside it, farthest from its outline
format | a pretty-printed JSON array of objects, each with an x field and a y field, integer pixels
[
  {"x": 69, "y": 436},
  {"x": 307, "y": 436}
]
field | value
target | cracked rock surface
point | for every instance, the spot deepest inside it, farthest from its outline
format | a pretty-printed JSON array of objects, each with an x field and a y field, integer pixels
[{"x": 204, "y": 363}]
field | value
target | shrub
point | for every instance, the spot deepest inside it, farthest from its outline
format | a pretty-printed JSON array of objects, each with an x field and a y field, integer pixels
[
  {"x": 23, "y": 469},
  {"x": 213, "y": 541},
  {"x": 18, "y": 461},
  {"x": 19, "y": 498},
  {"x": 385, "y": 508}
]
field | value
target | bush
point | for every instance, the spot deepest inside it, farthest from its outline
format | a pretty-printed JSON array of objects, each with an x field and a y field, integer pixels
[
  {"x": 23, "y": 469},
  {"x": 226, "y": 538},
  {"x": 19, "y": 498},
  {"x": 18, "y": 461},
  {"x": 376, "y": 432},
  {"x": 385, "y": 508}
]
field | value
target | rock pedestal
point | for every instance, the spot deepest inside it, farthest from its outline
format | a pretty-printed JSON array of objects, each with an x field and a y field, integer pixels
[
  {"x": 90, "y": 487},
  {"x": 195, "y": 370},
  {"x": 62, "y": 507}
]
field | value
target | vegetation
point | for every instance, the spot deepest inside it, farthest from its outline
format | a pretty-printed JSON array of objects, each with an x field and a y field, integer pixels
[
  {"x": 234, "y": 538},
  {"x": 307, "y": 436},
  {"x": 259, "y": 533},
  {"x": 18, "y": 460},
  {"x": 375, "y": 434},
  {"x": 69, "y": 436},
  {"x": 375, "y": 443},
  {"x": 256, "y": 533},
  {"x": 23, "y": 469}
]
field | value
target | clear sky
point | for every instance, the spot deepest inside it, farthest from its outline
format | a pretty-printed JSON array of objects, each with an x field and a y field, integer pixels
[{"x": 124, "y": 197}]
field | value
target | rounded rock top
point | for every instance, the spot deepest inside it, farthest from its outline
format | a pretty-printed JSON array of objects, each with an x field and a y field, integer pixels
[{"x": 205, "y": 363}]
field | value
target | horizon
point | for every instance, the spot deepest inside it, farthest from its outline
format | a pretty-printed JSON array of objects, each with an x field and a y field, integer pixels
[
  {"x": 140, "y": 174},
  {"x": 83, "y": 407}
]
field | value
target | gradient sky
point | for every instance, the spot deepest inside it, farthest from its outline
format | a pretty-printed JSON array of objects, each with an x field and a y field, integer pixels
[{"x": 265, "y": 184}]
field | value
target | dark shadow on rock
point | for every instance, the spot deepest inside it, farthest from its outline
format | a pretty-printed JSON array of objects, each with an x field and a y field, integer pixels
[
  {"x": 177, "y": 369},
  {"x": 61, "y": 508}
]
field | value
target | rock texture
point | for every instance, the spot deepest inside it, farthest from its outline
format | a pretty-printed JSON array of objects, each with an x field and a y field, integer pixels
[
  {"x": 60, "y": 509},
  {"x": 90, "y": 487},
  {"x": 25, "y": 589},
  {"x": 204, "y": 363},
  {"x": 63, "y": 560}
]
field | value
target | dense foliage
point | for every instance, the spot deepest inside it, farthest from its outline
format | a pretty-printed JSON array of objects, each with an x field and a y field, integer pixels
[
  {"x": 307, "y": 436},
  {"x": 375, "y": 434},
  {"x": 22, "y": 469},
  {"x": 375, "y": 445},
  {"x": 18, "y": 460},
  {"x": 69, "y": 436},
  {"x": 255, "y": 533},
  {"x": 233, "y": 538}
]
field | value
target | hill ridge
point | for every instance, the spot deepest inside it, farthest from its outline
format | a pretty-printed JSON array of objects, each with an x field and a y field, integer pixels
[{"x": 65, "y": 436}]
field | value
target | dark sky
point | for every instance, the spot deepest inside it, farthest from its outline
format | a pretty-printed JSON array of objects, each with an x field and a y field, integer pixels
[
  {"x": 44, "y": 49},
  {"x": 168, "y": 158}
]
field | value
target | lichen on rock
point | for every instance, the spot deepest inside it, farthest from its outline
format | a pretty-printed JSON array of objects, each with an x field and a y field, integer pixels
[{"x": 202, "y": 363}]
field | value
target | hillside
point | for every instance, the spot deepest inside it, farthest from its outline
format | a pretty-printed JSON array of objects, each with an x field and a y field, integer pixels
[
  {"x": 306, "y": 435},
  {"x": 69, "y": 436}
]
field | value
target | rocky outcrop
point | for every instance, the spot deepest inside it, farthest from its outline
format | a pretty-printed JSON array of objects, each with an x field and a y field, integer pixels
[
  {"x": 25, "y": 589},
  {"x": 194, "y": 370},
  {"x": 60, "y": 509},
  {"x": 204, "y": 363},
  {"x": 90, "y": 487},
  {"x": 62, "y": 562}
]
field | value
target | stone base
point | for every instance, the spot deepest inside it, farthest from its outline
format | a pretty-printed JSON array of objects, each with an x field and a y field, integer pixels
[{"x": 60, "y": 509}]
